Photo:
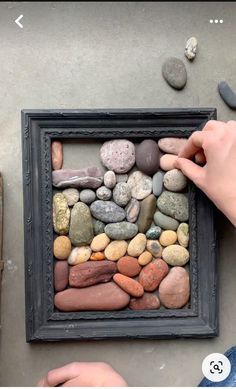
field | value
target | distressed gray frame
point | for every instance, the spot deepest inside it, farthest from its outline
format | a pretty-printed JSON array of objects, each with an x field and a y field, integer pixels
[{"x": 43, "y": 322}]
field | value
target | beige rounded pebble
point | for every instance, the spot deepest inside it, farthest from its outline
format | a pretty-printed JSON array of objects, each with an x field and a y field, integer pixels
[
  {"x": 174, "y": 180},
  {"x": 61, "y": 247},
  {"x": 183, "y": 234},
  {"x": 116, "y": 249},
  {"x": 145, "y": 258},
  {"x": 154, "y": 247},
  {"x": 167, "y": 162},
  {"x": 137, "y": 245},
  {"x": 79, "y": 255},
  {"x": 175, "y": 255},
  {"x": 167, "y": 238},
  {"x": 100, "y": 242}
]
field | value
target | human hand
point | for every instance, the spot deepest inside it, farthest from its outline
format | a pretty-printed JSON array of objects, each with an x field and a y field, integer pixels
[
  {"x": 215, "y": 147},
  {"x": 83, "y": 374}
]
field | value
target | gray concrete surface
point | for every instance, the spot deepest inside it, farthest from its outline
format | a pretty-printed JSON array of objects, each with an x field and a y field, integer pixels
[{"x": 95, "y": 55}]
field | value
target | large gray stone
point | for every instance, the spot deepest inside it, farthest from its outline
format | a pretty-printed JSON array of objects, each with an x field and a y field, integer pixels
[
  {"x": 122, "y": 230},
  {"x": 118, "y": 155},
  {"x": 81, "y": 225},
  {"x": 174, "y": 205},
  {"x": 174, "y": 72},
  {"x": 107, "y": 211}
]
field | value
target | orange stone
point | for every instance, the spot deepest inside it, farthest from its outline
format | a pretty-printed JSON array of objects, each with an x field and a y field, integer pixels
[
  {"x": 129, "y": 266},
  {"x": 99, "y": 256},
  {"x": 134, "y": 288}
]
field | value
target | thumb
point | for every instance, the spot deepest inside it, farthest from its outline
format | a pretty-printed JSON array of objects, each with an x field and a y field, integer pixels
[{"x": 191, "y": 170}]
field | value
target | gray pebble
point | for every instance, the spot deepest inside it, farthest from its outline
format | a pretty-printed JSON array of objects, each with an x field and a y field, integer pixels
[
  {"x": 103, "y": 193},
  {"x": 87, "y": 196},
  {"x": 227, "y": 94},
  {"x": 122, "y": 230},
  {"x": 165, "y": 222},
  {"x": 174, "y": 180},
  {"x": 71, "y": 195},
  {"x": 157, "y": 183},
  {"x": 122, "y": 194},
  {"x": 107, "y": 211},
  {"x": 174, "y": 72},
  {"x": 110, "y": 179},
  {"x": 174, "y": 205}
]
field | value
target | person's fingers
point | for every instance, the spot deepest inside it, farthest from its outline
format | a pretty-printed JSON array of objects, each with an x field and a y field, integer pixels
[
  {"x": 42, "y": 383},
  {"x": 200, "y": 157},
  {"x": 193, "y": 145},
  {"x": 213, "y": 125},
  {"x": 194, "y": 172},
  {"x": 62, "y": 374}
]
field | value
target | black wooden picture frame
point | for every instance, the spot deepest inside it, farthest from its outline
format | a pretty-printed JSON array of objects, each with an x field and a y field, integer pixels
[{"x": 43, "y": 322}]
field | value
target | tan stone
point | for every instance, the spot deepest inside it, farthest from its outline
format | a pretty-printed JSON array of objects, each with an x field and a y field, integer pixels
[
  {"x": 62, "y": 247},
  {"x": 145, "y": 258},
  {"x": 79, "y": 255},
  {"x": 116, "y": 249},
  {"x": 137, "y": 245},
  {"x": 167, "y": 238},
  {"x": 100, "y": 242}
]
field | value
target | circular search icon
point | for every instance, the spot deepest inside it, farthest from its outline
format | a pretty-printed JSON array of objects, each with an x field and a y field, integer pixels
[{"x": 216, "y": 367}]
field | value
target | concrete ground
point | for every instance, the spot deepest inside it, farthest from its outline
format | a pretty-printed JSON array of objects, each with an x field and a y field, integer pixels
[{"x": 95, "y": 55}]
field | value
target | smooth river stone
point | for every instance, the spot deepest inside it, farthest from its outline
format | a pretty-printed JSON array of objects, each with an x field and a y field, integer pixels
[
  {"x": 101, "y": 297},
  {"x": 227, "y": 94},
  {"x": 98, "y": 227},
  {"x": 110, "y": 179},
  {"x": 61, "y": 275},
  {"x": 128, "y": 266},
  {"x": 107, "y": 211},
  {"x": 90, "y": 177},
  {"x": 191, "y": 48},
  {"x": 91, "y": 273},
  {"x": 174, "y": 205},
  {"x": 167, "y": 161},
  {"x": 61, "y": 214},
  {"x": 167, "y": 238},
  {"x": 175, "y": 255},
  {"x": 137, "y": 245},
  {"x": 140, "y": 184},
  {"x": 71, "y": 195},
  {"x": 87, "y": 196},
  {"x": 175, "y": 181},
  {"x": 157, "y": 183},
  {"x": 152, "y": 274},
  {"x": 147, "y": 210},
  {"x": 129, "y": 285},
  {"x": 122, "y": 194},
  {"x": 172, "y": 145},
  {"x": 147, "y": 301},
  {"x": 154, "y": 247},
  {"x": 174, "y": 72},
  {"x": 57, "y": 155},
  {"x": 121, "y": 230},
  {"x": 145, "y": 258},
  {"x": 81, "y": 225},
  {"x": 100, "y": 242},
  {"x": 165, "y": 222},
  {"x": 62, "y": 247},
  {"x": 153, "y": 232},
  {"x": 118, "y": 155},
  {"x": 148, "y": 156},
  {"x": 116, "y": 249},
  {"x": 174, "y": 290},
  {"x": 183, "y": 234},
  {"x": 103, "y": 193},
  {"x": 132, "y": 210},
  {"x": 79, "y": 255}
]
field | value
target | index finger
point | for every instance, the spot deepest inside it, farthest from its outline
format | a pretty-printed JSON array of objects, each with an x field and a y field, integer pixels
[{"x": 193, "y": 145}]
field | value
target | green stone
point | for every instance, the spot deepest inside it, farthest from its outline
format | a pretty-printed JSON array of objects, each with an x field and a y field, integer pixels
[
  {"x": 153, "y": 233},
  {"x": 81, "y": 225},
  {"x": 174, "y": 205}
]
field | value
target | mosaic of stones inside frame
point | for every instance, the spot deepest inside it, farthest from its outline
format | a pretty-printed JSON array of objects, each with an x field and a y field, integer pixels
[{"x": 43, "y": 321}]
